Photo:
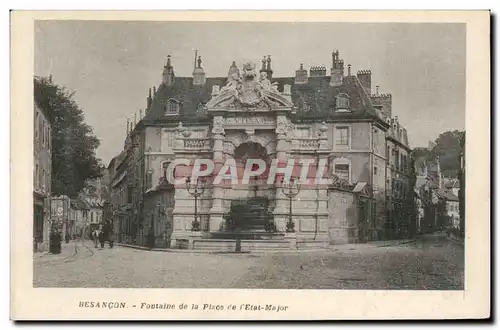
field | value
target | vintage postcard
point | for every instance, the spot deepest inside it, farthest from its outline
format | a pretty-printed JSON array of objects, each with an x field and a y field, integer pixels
[{"x": 250, "y": 165}]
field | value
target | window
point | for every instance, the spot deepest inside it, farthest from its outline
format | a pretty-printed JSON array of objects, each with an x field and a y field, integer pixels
[
  {"x": 172, "y": 107},
  {"x": 40, "y": 126},
  {"x": 40, "y": 178},
  {"x": 342, "y": 171},
  {"x": 91, "y": 216},
  {"x": 169, "y": 138},
  {"x": 149, "y": 179},
  {"x": 45, "y": 179},
  {"x": 375, "y": 170},
  {"x": 35, "y": 177},
  {"x": 48, "y": 137},
  {"x": 37, "y": 115},
  {"x": 342, "y": 136},
  {"x": 129, "y": 194},
  {"x": 43, "y": 132},
  {"x": 342, "y": 102},
  {"x": 388, "y": 155}
]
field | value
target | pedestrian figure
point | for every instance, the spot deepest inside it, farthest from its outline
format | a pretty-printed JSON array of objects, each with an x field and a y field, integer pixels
[
  {"x": 96, "y": 235},
  {"x": 102, "y": 237}
]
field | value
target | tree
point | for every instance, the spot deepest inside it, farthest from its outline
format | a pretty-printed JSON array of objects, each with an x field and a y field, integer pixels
[
  {"x": 447, "y": 147},
  {"x": 73, "y": 142}
]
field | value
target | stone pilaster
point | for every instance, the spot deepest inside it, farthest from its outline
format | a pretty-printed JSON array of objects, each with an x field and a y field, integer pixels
[
  {"x": 281, "y": 210},
  {"x": 217, "y": 210}
]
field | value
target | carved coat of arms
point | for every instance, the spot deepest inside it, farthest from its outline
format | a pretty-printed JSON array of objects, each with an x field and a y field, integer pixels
[{"x": 245, "y": 90}]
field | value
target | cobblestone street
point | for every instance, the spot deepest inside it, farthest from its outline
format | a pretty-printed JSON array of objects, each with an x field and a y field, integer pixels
[{"x": 423, "y": 265}]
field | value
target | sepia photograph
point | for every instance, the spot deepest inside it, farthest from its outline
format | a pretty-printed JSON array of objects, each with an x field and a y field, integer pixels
[{"x": 292, "y": 155}]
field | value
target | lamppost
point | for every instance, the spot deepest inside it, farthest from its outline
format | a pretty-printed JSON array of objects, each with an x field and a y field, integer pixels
[
  {"x": 290, "y": 189},
  {"x": 195, "y": 189}
]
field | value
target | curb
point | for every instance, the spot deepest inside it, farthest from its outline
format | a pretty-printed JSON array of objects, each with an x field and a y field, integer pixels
[{"x": 139, "y": 247}]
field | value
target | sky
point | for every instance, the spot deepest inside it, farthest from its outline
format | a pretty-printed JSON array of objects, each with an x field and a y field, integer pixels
[{"x": 111, "y": 64}]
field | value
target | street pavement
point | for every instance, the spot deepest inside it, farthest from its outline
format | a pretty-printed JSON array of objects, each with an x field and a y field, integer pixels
[{"x": 427, "y": 264}]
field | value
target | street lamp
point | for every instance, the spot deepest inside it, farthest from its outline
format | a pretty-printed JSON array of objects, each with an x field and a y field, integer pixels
[
  {"x": 195, "y": 189},
  {"x": 290, "y": 189}
]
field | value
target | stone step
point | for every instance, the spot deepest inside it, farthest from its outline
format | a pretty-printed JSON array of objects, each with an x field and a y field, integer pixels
[{"x": 246, "y": 245}]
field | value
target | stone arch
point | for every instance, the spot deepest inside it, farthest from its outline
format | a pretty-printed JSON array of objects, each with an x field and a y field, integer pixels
[{"x": 234, "y": 140}]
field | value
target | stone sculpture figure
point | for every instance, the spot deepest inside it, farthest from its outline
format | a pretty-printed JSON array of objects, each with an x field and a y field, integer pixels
[{"x": 233, "y": 81}]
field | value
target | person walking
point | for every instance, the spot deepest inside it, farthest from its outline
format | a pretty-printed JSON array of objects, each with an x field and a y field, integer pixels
[{"x": 97, "y": 235}]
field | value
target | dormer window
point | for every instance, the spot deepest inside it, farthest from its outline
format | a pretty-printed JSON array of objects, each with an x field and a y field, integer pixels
[
  {"x": 172, "y": 107},
  {"x": 342, "y": 102}
]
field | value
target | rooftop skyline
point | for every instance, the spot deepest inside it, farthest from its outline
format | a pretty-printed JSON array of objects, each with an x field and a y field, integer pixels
[{"x": 111, "y": 65}]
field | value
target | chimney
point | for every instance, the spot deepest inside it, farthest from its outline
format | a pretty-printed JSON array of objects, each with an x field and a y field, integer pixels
[
  {"x": 337, "y": 71},
  {"x": 365, "y": 78},
  {"x": 384, "y": 101},
  {"x": 317, "y": 71},
  {"x": 168, "y": 73},
  {"x": 198, "y": 73},
  {"x": 301, "y": 75}
]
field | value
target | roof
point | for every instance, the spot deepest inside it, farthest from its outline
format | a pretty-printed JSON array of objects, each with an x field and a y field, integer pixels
[
  {"x": 79, "y": 204},
  {"x": 314, "y": 99},
  {"x": 446, "y": 194}
]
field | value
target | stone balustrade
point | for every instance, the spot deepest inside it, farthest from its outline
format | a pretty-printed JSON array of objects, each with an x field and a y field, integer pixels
[{"x": 305, "y": 144}]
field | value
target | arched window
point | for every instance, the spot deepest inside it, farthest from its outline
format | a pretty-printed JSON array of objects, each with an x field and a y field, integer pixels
[{"x": 342, "y": 102}]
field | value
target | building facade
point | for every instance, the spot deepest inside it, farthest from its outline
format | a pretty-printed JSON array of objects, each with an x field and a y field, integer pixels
[
  {"x": 79, "y": 214},
  {"x": 42, "y": 169},
  {"x": 438, "y": 203},
  {"x": 121, "y": 204},
  {"x": 327, "y": 118},
  {"x": 399, "y": 188}
]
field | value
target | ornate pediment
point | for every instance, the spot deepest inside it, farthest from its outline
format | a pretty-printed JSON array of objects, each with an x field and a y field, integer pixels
[{"x": 245, "y": 91}]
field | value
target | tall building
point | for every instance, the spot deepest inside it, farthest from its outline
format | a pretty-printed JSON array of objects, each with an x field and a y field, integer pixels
[
  {"x": 330, "y": 118},
  {"x": 42, "y": 170}
]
